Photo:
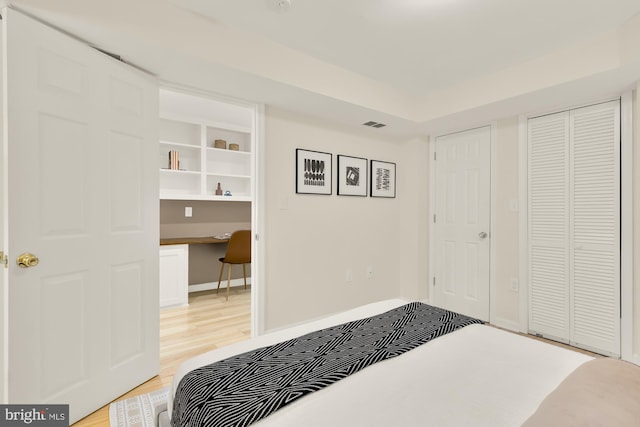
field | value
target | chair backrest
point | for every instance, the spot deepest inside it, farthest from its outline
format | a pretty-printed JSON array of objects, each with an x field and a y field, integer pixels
[{"x": 239, "y": 248}]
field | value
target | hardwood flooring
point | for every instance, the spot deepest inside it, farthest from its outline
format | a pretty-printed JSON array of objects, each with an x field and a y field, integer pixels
[{"x": 207, "y": 323}]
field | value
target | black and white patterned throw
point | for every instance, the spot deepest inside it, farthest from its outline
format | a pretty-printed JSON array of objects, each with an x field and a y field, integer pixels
[{"x": 245, "y": 388}]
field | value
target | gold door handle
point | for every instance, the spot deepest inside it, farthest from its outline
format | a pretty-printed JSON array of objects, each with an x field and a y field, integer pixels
[{"x": 27, "y": 260}]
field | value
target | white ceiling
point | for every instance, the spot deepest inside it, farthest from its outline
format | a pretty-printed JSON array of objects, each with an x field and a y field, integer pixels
[
  {"x": 420, "y": 66},
  {"x": 421, "y": 46}
]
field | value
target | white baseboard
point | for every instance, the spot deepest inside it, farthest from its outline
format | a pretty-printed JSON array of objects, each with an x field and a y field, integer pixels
[
  {"x": 509, "y": 325},
  {"x": 214, "y": 285},
  {"x": 635, "y": 359}
]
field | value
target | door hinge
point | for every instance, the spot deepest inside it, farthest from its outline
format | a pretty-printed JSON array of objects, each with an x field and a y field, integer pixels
[
  {"x": 434, "y": 155},
  {"x": 434, "y": 280},
  {"x": 4, "y": 259},
  {"x": 257, "y": 236},
  {"x": 434, "y": 218}
]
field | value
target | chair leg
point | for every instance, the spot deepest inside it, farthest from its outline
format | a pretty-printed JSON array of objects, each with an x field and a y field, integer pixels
[
  {"x": 220, "y": 278},
  {"x": 229, "y": 281},
  {"x": 244, "y": 272}
]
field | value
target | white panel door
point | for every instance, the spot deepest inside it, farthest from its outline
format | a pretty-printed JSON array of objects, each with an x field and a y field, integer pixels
[
  {"x": 462, "y": 222},
  {"x": 595, "y": 227},
  {"x": 549, "y": 225},
  {"x": 83, "y": 197}
]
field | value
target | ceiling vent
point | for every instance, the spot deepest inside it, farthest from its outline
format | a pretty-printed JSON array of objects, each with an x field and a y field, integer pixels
[
  {"x": 279, "y": 5},
  {"x": 374, "y": 124}
]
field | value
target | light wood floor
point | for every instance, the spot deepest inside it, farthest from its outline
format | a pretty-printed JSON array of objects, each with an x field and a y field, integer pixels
[{"x": 207, "y": 323}]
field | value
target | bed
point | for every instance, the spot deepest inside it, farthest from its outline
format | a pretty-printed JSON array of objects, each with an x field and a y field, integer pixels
[{"x": 475, "y": 375}]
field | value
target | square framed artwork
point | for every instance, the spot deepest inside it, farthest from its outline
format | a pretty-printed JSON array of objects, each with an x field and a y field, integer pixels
[
  {"x": 313, "y": 172},
  {"x": 352, "y": 176},
  {"x": 383, "y": 179}
]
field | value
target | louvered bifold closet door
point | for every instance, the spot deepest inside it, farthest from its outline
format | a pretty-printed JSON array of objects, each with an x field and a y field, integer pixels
[
  {"x": 549, "y": 225},
  {"x": 595, "y": 230}
]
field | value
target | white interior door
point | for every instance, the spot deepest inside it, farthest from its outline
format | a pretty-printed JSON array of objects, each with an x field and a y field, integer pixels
[
  {"x": 574, "y": 226},
  {"x": 549, "y": 225},
  {"x": 595, "y": 227},
  {"x": 83, "y": 197},
  {"x": 462, "y": 222}
]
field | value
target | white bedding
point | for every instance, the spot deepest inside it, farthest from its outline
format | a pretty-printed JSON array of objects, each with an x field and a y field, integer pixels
[{"x": 476, "y": 376}]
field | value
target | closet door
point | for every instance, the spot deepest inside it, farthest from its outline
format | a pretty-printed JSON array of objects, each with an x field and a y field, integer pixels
[
  {"x": 595, "y": 230},
  {"x": 574, "y": 227},
  {"x": 549, "y": 226}
]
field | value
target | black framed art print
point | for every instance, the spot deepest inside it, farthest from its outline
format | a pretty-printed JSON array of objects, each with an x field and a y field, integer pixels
[
  {"x": 313, "y": 172},
  {"x": 383, "y": 179},
  {"x": 352, "y": 176}
]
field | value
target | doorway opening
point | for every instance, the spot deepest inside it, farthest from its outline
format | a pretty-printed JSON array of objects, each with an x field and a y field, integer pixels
[{"x": 208, "y": 163}]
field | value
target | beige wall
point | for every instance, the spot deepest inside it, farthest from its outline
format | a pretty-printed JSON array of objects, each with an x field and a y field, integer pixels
[
  {"x": 505, "y": 223},
  {"x": 319, "y": 237},
  {"x": 413, "y": 187},
  {"x": 312, "y": 240}
]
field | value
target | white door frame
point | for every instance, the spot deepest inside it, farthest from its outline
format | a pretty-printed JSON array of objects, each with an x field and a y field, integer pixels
[
  {"x": 626, "y": 225},
  {"x": 626, "y": 228},
  {"x": 4, "y": 242},
  {"x": 258, "y": 224},
  {"x": 432, "y": 212}
]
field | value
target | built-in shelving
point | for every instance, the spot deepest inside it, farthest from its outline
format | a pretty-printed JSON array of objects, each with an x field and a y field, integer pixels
[{"x": 192, "y": 133}]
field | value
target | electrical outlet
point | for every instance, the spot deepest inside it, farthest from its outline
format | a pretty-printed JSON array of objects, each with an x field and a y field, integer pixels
[
  {"x": 188, "y": 211},
  {"x": 515, "y": 284},
  {"x": 370, "y": 271}
]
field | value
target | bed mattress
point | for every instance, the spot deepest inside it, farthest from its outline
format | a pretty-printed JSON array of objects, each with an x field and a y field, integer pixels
[{"x": 477, "y": 375}]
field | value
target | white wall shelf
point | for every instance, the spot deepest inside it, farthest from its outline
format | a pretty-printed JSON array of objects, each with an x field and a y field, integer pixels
[
  {"x": 202, "y": 166},
  {"x": 179, "y": 145}
]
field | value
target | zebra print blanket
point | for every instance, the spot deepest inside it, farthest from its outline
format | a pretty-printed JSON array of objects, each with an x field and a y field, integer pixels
[{"x": 243, "y": 389}]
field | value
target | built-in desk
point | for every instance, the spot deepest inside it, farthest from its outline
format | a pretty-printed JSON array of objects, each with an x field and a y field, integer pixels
[
  {"x": 191, "y": 240},
  {"x": 174, "y": 268}
]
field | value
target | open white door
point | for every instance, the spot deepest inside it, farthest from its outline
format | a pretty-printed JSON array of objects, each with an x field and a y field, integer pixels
[
  {"x": 83, "y": 197},
  {"x": 462, "y": 222}
]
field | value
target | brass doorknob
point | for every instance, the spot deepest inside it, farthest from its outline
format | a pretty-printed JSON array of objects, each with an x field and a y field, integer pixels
[{"x": 27, "y": 260}]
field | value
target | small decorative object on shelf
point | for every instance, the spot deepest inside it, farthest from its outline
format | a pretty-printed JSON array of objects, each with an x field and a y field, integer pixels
[
  {"x": 219, "y": 190},
  {"x": 234, "y": 147},
  {"x": 220, "y": 143},
  {"x": 227, "y": 193}
]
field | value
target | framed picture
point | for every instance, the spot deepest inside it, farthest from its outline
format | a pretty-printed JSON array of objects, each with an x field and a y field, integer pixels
[
  {"x": 383, "y": 179},
  {"x": 352, "y": 176},
  {"x": 313, "y": 172}
]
